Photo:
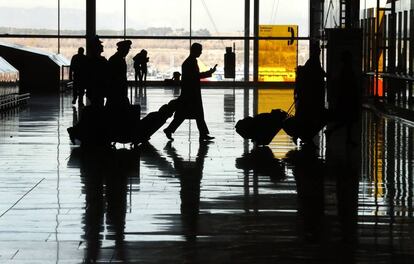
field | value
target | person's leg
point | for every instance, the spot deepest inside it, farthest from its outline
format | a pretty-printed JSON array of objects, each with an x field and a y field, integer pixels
[
  {"x": 136, "y": 78},
  {"x": 175, "y": 123},
  {"x": 81, "y": 92},
  {"x": 145, "y": 78},
  {"x": 203, "y": 129},
  {"x": 140, "y": 78},
  {"x": 202, "y": 126},
  {"x": 74, "y": 92}
]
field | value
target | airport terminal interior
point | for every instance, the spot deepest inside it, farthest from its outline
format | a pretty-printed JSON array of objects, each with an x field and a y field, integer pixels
[{"x": 344, "y": 195}]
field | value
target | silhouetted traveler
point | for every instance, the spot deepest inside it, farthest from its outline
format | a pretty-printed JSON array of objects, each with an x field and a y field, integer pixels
[
  {"x": 190, "y": 103},
  {"x": 310, "y": 107},
  {"x": 97, "y": 67},
  {"x": 117, "y": 67},
  {"x": 90, "y": 129},
  {"x": 346, "y": 109},
  {"x": 141, "y": 68},
  {"x": 77, "y": 74}
]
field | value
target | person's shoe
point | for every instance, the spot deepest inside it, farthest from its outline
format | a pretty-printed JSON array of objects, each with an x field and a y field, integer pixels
[
  {"x": 71, "y": 136},
  {"x": 206, "y": 138},
  {"x": 168, "y": 134}
]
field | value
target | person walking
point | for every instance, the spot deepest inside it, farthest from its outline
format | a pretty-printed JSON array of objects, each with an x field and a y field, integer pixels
[{"x": 190, "y": 104}]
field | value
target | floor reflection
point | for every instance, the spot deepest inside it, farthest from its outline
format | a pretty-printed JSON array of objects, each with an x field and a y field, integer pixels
[
  {"x": 105, "y": 175},
  {"x": 225, "y": 202},
  {"x": 309, "y": 173},
  {"x": 190, "y": 173}
]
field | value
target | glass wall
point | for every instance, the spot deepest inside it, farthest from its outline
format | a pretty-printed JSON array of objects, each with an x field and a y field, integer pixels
[
  {"x": 389, "y": 51},
  {"x": 164, "y": 28},
  {"x": 46, "y": 44},
  {"x": 292, "y": 12},
  {"x": 158, "y": 18},
  {"x": 211, "y": 18},
  {"x": 110, "y": 17},
  {"x": 28, "y": 17},
  {"x": 72, "y": 17}
]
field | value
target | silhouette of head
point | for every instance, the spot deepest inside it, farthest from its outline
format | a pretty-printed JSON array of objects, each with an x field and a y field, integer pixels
[
  {"x": 96, "y": 46},
  {"x": 196, "y": 50},
  {"x": 124, "y": 46},
  {"x": 81, "y": 50}
]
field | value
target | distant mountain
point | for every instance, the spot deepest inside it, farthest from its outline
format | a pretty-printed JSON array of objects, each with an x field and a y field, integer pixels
[
  {"x": 41, "y": 20},
  {"x": 47, "y": 18},
  {"x": 40, "y": 17}
]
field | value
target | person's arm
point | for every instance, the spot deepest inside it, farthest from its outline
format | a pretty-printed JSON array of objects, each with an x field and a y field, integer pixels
[{"x": 208, "y": 73}]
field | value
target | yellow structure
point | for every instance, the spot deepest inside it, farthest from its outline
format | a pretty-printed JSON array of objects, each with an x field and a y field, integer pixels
[{"x": 278, "y": 58}]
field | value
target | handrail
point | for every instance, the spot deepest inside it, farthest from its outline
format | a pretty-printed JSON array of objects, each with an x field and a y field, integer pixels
[
  {"x": 13, "y": 100},
  {"x": 392, "y": 76}
]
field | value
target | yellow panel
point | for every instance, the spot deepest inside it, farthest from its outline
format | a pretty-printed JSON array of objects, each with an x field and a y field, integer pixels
[
  {"x": 269, "y": 99},
  {"x": 278, "y": 58}
]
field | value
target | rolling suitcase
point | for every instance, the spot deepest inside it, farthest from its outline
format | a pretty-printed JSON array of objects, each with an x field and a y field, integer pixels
[
  {"x": 262, "y": 128},
  {"x": 155, "y": 120}
]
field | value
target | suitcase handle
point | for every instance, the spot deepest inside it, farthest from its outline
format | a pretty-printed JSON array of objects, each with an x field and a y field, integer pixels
[{"x": 289, "y": 111}]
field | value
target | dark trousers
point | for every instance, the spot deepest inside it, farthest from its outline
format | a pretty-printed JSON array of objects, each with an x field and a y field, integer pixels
[
  {"x": 78, "y": 91},
  {"x": 178, "y": 120}
]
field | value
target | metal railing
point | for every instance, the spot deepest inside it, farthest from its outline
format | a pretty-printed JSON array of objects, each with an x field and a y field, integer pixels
[{"x": 13, "y": 100}]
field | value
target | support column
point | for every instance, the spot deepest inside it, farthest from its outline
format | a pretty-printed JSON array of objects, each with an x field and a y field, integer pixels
[
  {"x": 352, "y": 13},
  {"x": 90, "y": 23},
  {"x": 256, "y": 55},
  {"x": 246, "y": 40},
  {"x": 392, "y": 39},
  {"x": 315, "y": 21},
  {"x": 256, "y": 41}
]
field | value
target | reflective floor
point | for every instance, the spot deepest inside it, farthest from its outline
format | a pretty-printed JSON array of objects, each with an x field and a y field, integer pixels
[{"x": 222, "y": 202}]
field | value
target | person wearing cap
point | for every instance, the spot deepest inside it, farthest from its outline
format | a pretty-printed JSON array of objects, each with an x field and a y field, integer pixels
[
  {"x": 97, "y": 67},
  {"x": 91, "y": 127},
  {"x": 118, "y": 84},
  {"x": 190, "y": 103}
]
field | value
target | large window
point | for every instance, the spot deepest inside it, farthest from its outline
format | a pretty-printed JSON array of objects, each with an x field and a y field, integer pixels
[
  {"x": 292, "y": 12},
  {"x": 158, "y": 18},
  {"x": 164, "y": 28},
  {"x": 110, "y": 17},
  {"x": 72, "y": 17},
  {"x": 28, "y": 17},
  {"x": 211, "y": 18}
]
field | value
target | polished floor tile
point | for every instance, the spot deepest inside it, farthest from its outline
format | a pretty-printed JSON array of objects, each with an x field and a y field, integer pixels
[{"x": 222, "y": 202}]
